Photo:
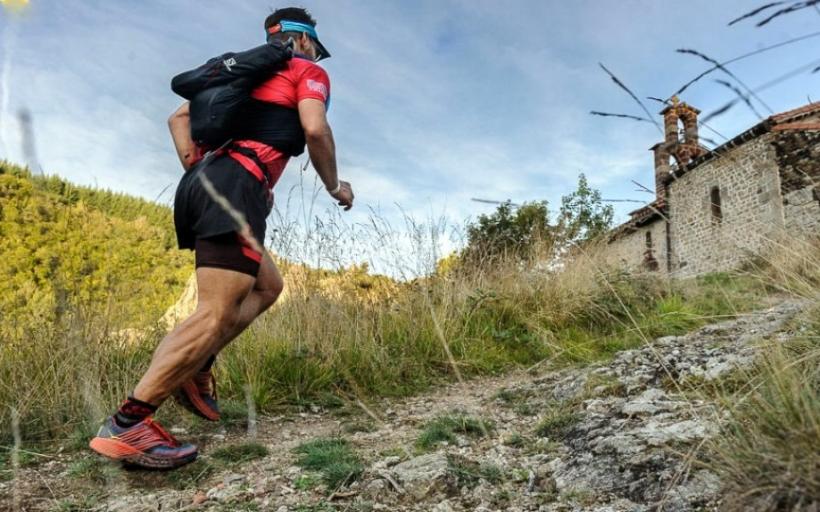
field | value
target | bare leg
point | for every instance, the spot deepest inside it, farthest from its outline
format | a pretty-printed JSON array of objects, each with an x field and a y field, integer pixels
[
  {"x": 268, "y": 287},
  {"x": 183, "y": 351}
]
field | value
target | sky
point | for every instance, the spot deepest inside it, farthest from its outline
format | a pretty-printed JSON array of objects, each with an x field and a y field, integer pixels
[{"x": 434, "y": 103}]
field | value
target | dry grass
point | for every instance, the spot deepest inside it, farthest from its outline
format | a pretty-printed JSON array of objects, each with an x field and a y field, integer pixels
[
  {"x": 387, "y": 340},
  {"x": 767, "y": 451},
  {"x": 355, "y": 336}
]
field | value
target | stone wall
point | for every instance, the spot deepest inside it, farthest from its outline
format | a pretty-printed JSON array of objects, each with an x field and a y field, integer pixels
[
  {"x": 798, "y": 157},
  {"x": 630, "y": 250},
  {"x": 706, "y": 238}
]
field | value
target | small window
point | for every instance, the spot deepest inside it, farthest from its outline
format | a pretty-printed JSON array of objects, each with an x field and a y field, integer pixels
[
  {"x": 648, "y": 239},
  {"x": 717, "y": 212}
]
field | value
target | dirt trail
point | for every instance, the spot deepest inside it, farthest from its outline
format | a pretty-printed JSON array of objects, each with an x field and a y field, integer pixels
[{"x": 609, "y": 437}]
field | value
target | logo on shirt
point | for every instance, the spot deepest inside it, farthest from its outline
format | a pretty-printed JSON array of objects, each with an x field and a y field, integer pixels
[
  {"x": 319, "y": 87},
  {"x": 229, "y": 63}
]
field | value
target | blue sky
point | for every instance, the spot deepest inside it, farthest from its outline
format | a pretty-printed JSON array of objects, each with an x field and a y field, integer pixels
[{"x": 434, "y": 102}]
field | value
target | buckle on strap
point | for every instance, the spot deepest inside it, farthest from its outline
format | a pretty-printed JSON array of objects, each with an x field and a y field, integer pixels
[
  {"x": 251, "y": 154},
  {"x": 210, "y": 156}
]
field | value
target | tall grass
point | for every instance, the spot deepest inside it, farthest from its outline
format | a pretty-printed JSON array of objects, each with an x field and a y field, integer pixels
[
  {"x": 357, "y": 336},
  {"x": 767, "y": 451},
  {"x": 350, "y": 334}
]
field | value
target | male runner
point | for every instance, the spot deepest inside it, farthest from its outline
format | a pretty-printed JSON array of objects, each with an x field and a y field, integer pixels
[{"x": 236, "y": 282}]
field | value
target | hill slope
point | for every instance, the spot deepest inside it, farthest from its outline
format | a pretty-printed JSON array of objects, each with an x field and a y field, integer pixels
[{"x": 66, "y": 246}]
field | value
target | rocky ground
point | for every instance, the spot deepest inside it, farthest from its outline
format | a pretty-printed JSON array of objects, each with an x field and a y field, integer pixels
[{"x": 618, "y": 436}]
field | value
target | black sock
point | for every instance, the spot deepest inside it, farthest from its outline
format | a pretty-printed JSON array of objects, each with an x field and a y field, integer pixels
[
  {"x": 133, "y": 411},
  {"x": 208, "y": 363}
]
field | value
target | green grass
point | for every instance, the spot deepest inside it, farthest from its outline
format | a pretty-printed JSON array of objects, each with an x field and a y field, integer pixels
[
  {"x": 233, "y": 412},
  {"x": 24, "y": 457},
  {"x": 599, "y": 385},
  {"x": 240, "y": 453},
  {"x": 396, "y": 451},
  {"x": 445, "y": 428},
  {"x": 469, "y": 473},
  {"x": 333, "y": 458},
  {"x": 515, "y": 440},
  {"x": 517, "y": 400},
  {"x": 92, "y": 470},
  {"x": 306, "y": 482},
  {"x": 557, "y": 422},
  {"x": 81, "y": 504},
  {"x": 507, "y": 396},
  {"x": 393, "y": 350}
]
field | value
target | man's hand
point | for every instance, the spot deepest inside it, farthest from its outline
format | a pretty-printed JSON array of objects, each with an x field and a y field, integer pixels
[{"x": 344, "y": 195}]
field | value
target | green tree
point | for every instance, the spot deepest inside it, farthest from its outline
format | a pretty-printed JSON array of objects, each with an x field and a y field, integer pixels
[
  {"x": 64, "y": 245},
  {"x": 514, "y": 231},
  {"x": 510, "y": 230},
  {"x": 583, "y": 215}
]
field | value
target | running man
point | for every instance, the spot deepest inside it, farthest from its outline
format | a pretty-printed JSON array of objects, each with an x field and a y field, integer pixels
[{"x": 236, "y": 282}]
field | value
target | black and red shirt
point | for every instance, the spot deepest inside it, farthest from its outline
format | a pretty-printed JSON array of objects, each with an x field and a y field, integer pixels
[{"x": 300, "y": 79}]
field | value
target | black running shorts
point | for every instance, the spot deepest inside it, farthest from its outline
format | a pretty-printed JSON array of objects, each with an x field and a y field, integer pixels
[
  {"x": 204, "y": 226},
  {"x": 229, "y": 251}
]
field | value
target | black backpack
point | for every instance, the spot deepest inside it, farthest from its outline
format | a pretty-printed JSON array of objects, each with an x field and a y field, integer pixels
[{"x": 219, "y": 88}]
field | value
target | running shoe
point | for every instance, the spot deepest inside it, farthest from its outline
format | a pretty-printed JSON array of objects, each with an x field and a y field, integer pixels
[
  {"x": 145, "y": 444},
  {"x": 198, "y": 395}
]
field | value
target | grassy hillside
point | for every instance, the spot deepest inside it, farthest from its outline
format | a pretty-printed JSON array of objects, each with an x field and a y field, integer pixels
[
  {"x": 81, "y": 266},
  {"x": 67, "y": 247}
]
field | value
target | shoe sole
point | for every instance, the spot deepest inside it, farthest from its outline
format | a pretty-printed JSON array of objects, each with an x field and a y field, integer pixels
[
  {"x": 119, "y": 451},
  {"x": 188, "y": 397}
]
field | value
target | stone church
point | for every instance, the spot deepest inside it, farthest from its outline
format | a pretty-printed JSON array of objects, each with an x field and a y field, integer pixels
[{"x": 715, "y": 208}]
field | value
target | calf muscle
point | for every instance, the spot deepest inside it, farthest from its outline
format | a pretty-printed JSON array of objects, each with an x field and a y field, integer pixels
[{"x": 184, "y": 350}]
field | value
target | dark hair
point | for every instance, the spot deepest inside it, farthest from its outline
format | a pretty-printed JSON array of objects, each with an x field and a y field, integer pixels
[{"x": 288, "y": 13}]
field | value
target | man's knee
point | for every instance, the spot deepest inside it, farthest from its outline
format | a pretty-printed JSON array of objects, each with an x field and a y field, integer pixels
[
  {"x": 219, "y": 319},
  {"x": 271, "y": 291}
]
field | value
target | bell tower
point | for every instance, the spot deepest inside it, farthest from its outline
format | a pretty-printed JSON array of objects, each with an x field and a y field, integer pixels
[{"x": 680, "y": 126}]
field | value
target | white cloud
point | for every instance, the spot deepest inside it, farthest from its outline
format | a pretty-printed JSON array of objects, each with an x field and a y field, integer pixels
[{"x": 433, "y": 103}]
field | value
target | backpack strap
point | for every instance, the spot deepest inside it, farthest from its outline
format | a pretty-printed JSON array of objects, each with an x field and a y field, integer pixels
[{"x": 251, "y": 154}]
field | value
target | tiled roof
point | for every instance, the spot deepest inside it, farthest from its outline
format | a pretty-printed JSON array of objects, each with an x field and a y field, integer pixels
[
  {"x": 796, "y": 126},
  {"x": 793, "y": 114},
  {"x": 777, "y": 122}
]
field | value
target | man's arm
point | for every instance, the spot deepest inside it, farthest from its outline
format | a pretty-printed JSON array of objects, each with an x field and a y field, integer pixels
[
  {"x": 180, "y": 125},
  {"x": 322, "y": 149}
]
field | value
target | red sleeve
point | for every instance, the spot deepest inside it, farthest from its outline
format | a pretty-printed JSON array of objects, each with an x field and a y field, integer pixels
[{"x": 313, "y": 83}]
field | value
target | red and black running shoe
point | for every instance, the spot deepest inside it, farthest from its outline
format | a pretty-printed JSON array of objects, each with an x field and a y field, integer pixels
[
  {"x": 198, "y": 395},
  {"x": 146, "y": 444}
]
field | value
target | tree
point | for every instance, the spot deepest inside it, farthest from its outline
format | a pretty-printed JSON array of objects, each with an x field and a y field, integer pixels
[
  {"x": 583, "y": 216},
  {"x": 508, "y": 231},
  {"x": 64, "y": 245},
  {"x": 514, "y": 231}
]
